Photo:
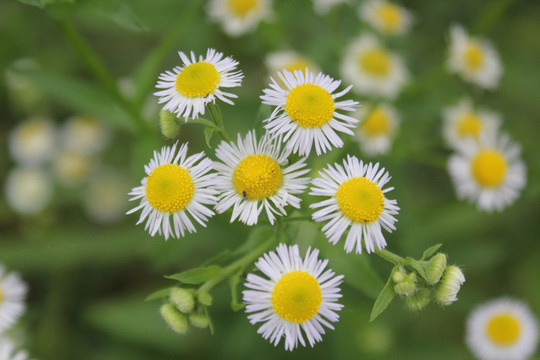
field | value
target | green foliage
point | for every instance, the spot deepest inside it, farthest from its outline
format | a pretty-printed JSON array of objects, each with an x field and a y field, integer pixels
[{"x": 197, "y": 276}]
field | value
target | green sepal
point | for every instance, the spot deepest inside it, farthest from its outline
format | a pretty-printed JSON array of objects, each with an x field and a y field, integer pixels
[
  {"x": 196, "y": 276},
  {"x": 430, "y": 251}
]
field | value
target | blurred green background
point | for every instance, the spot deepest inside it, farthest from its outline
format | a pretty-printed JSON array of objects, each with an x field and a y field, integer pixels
[{"x": 88, "y": 281}]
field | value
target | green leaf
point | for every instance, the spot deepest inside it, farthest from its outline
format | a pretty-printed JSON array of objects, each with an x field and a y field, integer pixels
[
  {"x": 198, "y": 275},
  {"x": 78, "y": 95},
  {"x": 384, "y": 299},
  {"x": 36, "y": 3},
  {"x": 233, "y": 285},
  {"x": 430, "y": 251},
  {"x": 159, "y": 294},
  {"x": 414, "y": 264},
  {"x": 113, "y": 10},
  {"x": 208, "y": 132}
]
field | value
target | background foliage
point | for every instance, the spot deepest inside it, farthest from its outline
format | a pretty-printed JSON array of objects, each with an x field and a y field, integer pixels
[{"x": 88, "y": 282}]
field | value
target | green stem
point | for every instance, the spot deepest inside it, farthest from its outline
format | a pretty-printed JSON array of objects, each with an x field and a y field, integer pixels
[
  {"x": 215, "y": 112},
  {"x": 212, "y": 125},
  {"x": 96, "y": 66},
  {"x": 235, "y": 266},
  {"x": 390, "y": 256}
]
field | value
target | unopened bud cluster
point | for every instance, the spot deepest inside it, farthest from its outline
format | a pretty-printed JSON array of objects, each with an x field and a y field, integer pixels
[
  {"x": 437, "y": 282},
  {"x": 185, "y": 308}
]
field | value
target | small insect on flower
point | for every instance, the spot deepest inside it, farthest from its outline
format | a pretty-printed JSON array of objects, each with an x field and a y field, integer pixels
[
  {"x": 306, "y": 112},
  {"x": 502, "y": 329},
  {"x": 474, "y": 59},
  {"x": 488, "y": 172},
  {"x": 356, "y": 201},
  {"x": 175, "y": 186},
  {"x": 187, "y": 89},
  {"x": 297, "y": 298},
  {"x": 254, "y": 175}
]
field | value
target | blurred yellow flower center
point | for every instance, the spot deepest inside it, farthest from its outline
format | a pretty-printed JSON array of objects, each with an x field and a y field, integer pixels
[
  {"x": 469, "y": 125},
  {"x": 241, "y": 8},
  {"x": 376, "y": 123},
  {"x": 474, "y": 57},
  {"x": 310, "y": 105},
  {"x": 197, "y": 80},
  {"x": 169, "y": 188},
  {"x": 489, "y": 168},
  {"x": 360, "y": 199},
  {"x": 297, "y": 297},
  {"x": 257, "y": 177},
  {"x": 298, "y": 64},
  {"x": 375, "y": 62},
  {"x": 1, "y": 296},
  {"x": 390, "y": 16},
  {"x": 32, "y": 131},
  {"x": 503, "y": 329}
]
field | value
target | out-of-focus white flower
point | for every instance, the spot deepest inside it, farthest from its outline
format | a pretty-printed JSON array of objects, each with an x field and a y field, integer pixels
[
  {"x": 33, "y": 142},
  {"x": 28, "y": 190}
]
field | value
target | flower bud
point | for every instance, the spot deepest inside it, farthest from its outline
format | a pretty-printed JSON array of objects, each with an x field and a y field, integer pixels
[
  {"x": 398, "y": 276},
  {"x": 174, "y": 318},
  {"x": 183, "y": 299},
  {"x": 204, "y": 298},
  {"x": 419, "y": 300},
  {"x": 199, "y": 320},
  {"x": 407, "y": 286},
  {"x": 448, "y": 287},
  {"x": 435, "y": 268},
  {"x": 168, "y": 124}
]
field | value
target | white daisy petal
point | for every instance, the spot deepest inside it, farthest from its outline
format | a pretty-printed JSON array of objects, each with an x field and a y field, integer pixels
[
  {"x": 176, "y": 186},
  {"x": 295, "y": 300},
  {"x": 253, "y": 176},
  {"x": 357, "y": 202},
  {"x": 377, "y": 128},
  {"x": 12, "y": 295},
  {"x": 8, "y": 350}
]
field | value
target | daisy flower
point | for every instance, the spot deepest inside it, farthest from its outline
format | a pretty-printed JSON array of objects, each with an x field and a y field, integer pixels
[
  {"x": 104, "y": 200},
  {"x": 175, "y": 186},
  {"x": 255, "y": 176},
  {"x": 377, "y": 129},
  {"x": 8, "y": 352},
  {"x": 474, "y": 59},
  {"x": 289, "y": 60},
  {"x": 489, "y": 172},
  {"x": 502, "y": 329},
  {"x": 12, "y": 294},
  {"x": 462, "y": 121},
  {"x": 356, "y": 201},
  {"x": 238, "y": 17},
  {"x": 306, "y": 111},
  {"x": 323, "y": 6},
  {"x": 373, "y": 69},
  {"x": 187, "y": 89},
  {"x": 297, "y": 298},
  {"x": 386, "y": 17},
  {"x": 72, "y": 168},
  {"x": 28, "y": 190},
  {"x": 33, "y": 142},
  {"x": 84, "y": 134}
]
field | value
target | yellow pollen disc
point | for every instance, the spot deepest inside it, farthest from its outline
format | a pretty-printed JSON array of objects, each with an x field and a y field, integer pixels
[
  {"x": 503, "y": 329},
  {"x": 197, "y": 80},
  {"x": 375, "y": 62},
  {"x": 489, "y": 168},
  {"x": 390, "y": 16},
  {"x": 376, "y": 123},
  {"x": 310, "y": 105},
  {"x": 361, "y": 200},
  {"x": 257, "y": 177},
  {"x": 469, "y": 125},
  {"x": 169, "y": 188},
  {"x": 241, "y": 8},
  {"x": 297, "y": 297},
  {"x": 474, "y": 56}
]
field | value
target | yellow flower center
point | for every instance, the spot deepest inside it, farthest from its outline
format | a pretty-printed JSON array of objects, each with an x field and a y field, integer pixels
[
  {"x": 375, "y": 62},
  {"x": 390, "y": 16},
  {"x": 360, "y": 199},
  {"x": 310, "y": 105},
  {"x": 489, "y": 168},
  {"x": 241, "y": 8},
  {"x": 197, "y": 80},
  {"x": 376, "y": 123},
  {"x": 297, "y": 297},
  {"x": 503, "y": 329},
  {"x": 474, "y": 56},
  {"x": 169, "y": 188},
  {"x": 298, "y": 64},
  {"x": 469, "y": 125},
  {"x": 257, "y": 177}
]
